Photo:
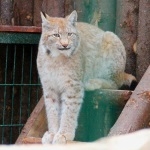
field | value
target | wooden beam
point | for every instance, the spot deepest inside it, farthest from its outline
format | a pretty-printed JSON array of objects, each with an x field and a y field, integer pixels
[
  {"x": 136, "y": 113},
  {"x": 29, "y": 29}
]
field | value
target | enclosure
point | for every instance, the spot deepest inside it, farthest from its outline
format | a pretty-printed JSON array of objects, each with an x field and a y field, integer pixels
[{"x": 20, "y": 89}]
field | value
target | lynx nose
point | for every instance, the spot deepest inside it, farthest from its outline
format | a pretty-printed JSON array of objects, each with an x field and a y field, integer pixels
[{"x": 65, "y": 45}]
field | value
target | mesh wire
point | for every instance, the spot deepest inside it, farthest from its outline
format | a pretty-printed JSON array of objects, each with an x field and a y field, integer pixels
[{"x": 20, "y": 88}]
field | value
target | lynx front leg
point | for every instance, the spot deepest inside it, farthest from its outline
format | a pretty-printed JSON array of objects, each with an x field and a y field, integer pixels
[
  {"x": 52, "y": 112},
  {"x": 71, "y": 104}
]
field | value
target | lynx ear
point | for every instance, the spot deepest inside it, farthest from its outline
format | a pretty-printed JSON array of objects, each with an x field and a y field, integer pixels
[
  {"x": 72, "y": 18},
  {"x": 44, "y": 17}
]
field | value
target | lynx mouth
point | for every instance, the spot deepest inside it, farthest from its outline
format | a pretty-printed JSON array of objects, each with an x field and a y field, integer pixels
[{"x": 63, "y": 49}]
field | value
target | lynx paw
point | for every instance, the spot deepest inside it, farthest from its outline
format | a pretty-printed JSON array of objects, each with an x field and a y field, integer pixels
[
  {"x": 47, "y": 138},
  {"x": 59, "y": 139},
  {"x": 62, "y": 138}
]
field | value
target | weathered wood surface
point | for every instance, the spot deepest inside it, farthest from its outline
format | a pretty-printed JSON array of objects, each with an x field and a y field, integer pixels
[
  {"x": 31, "y": 29},
  {"x": 6, "y": 12},
  {"x": 34, "y": 140},
  {"x": 134, "y": 141},
  {"x": 23, "y": 12},
  {"x": 36, "y": 12},
  {"x": 37, "y": 124},
  {"x": 143, "y": 42},
  {"x": 126, "y": 29},
  {"x": 136, "y": 113},
  {"x": 54, "y": 8}
]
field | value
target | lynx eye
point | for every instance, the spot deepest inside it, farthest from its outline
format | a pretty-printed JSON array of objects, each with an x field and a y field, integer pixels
[
  {"x": 69, "y": 34},
  {"x": 56, "y": 35}
]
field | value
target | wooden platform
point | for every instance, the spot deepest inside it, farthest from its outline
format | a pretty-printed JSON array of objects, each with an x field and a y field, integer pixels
[{"x": 36, "y": 124}]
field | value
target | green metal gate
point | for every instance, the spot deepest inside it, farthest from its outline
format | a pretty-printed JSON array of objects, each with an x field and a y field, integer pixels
[{"x": 19, "y": 84}]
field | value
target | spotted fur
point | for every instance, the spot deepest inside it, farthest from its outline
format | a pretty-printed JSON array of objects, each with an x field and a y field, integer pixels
[{"x": 72, "y": 57}]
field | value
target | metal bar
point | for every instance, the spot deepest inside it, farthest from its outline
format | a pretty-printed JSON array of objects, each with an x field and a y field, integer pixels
[
  {"x": 12, "y": 101},
  {"x": 4, "y": 105},
  {"x": 30, "y": 75},
  {"x": 21, "y": 91},
  {"x": 37, "y": 91}
]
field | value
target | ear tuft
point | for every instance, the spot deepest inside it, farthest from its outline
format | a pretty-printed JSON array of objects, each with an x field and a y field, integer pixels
[
  {"x": 45, "y": 22},
  {"x": 43, "y": 17},
  {"x": 72, "y": 18}
]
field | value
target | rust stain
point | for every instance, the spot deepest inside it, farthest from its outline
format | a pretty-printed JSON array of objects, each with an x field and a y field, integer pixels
[{"x": 145, "y": 95}]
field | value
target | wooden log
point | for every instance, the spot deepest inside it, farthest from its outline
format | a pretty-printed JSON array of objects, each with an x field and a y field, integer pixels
[
  {"x": 69, "y": 6},
  {"x": 36, "y": 13},
  {"x": 6, "y": 14},
  {"x": 126, "y": 29},
  {"x": 54, "y": 8},
  {"x": 37, "y": 124},
  {"x": 23, "y": 12},
  {"x": 143, "y": 42},
  {"x": 136, "y": 113}
]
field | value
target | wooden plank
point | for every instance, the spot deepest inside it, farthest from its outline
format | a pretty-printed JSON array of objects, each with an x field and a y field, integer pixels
[
  {"x": 143, "y": 42},
  {"x": 136, "y": 113},
  {"x": 34, "y": 140},
  {"x": 126, "y": 29},
  {"x": 31, "y": 29},
  {"x": 32, "y": 122},
  {"x": 37, "y": 124}
]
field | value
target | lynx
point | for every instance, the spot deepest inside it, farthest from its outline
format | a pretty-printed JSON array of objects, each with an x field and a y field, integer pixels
[{"x": 73, "y": 57}]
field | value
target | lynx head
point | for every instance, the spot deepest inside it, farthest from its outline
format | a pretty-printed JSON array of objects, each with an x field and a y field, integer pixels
[{"x": 59, "y": 35}]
